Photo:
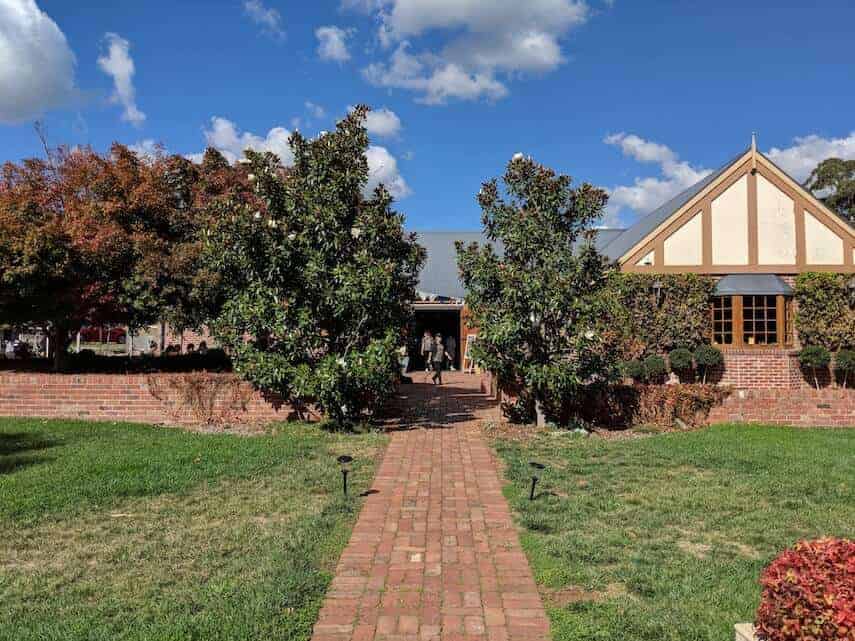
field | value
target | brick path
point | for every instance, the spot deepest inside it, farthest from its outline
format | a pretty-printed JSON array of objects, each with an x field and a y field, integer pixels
[{"x": 434, "y": 555}]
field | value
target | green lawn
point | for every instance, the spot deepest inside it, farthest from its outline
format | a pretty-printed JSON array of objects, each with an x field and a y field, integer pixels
[
  {"x": 116, "y": 531},
  {"x": 663, "y": 538}
]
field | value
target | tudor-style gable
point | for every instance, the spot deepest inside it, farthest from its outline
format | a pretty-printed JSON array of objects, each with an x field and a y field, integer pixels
[{"x": 749, "y": 216}]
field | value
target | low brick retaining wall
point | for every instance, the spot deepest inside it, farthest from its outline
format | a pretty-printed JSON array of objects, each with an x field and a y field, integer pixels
[
  {"x": 761, "y": 368},
  {"x": 173, "y": 399},
  {"x": 833, "y": 407}
]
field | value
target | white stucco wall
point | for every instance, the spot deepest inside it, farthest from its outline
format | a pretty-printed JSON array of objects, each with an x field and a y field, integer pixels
[
  {"x": 776, "y": 225},
  {"x": 646, "y": 260},
  {"x": 730, "y": 225},
  {"x": 823, "y": 246},
  {"x": 685, "y": 246}
]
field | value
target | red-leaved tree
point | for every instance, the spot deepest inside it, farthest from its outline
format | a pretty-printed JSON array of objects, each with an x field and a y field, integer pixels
[{"x": 88, "y": 238}]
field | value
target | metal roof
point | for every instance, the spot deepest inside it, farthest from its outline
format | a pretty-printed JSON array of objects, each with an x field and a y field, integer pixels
[
  {"x": 635, "y": 234},
  {"x": 748, "y": 284},
  {"x": 440, "y": 276}
]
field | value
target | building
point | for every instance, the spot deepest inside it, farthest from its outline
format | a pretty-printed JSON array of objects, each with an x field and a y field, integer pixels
[{"x": 749, "y": 225}]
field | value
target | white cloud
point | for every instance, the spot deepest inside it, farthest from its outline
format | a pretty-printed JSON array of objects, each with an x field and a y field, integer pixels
[
  {"x": 437, "y": 81},
  {"x": 267, "y": 18},
  {"x": 147, "y": 149},
  {"x": 119, "y": 65},
  {"x": 315, "y": 111},
  {"x": 36, "y": 63},
  {"x": 481, "y": 40},
  {"x": 645, "y": 194},
  {"x": 383, "y": 168},
  {"x": 383, "y": 123},
  {"x": 807, "y": 152},
  {"x": 226, "y": 137},
  {"x": 332, "y": 43}
]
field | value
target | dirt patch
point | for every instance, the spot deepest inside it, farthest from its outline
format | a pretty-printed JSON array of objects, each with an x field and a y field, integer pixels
[
  {"x": 697, "y": 550},
  {"x": 511, "y": 431},
  {"x": 575, "y": 594},
  {"x": 744, "y": 550}
]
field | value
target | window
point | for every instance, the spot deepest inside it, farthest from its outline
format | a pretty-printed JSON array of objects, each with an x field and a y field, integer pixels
[
  {"x": 759, "y": 320},
  {"x": 751, "y": 320},
  {"x": 723, "y": 320}
]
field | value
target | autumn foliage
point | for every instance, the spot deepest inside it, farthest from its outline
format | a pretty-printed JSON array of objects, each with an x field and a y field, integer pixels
[
  {"x": 809, "y": 593},
  {"x": 86, "y": 238}
]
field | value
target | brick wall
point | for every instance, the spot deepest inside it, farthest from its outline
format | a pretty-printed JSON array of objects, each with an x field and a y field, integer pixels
[
  {"x": 761, "y": 368},
  {"x": 805, "y": 407},
  {"x": 173, "y": 399}
]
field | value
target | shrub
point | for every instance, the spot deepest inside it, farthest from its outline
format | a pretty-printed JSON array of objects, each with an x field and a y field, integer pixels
[
  {"x": 844, "y": 363},
  {"x": 622, "y": 406},
  {"x": 680, "y": 359},
  {"x": 519, "y": 411},
  {"x": 815, "y": 358},
  {"x": 809, "y": 593},
  {"x": 633, "y": 369},
  {"x": 654, "y": 368},
  {"x": 663, "y": 405},
  {"x": 680, "y": 318},
  {"x": 708, "y": 357},
  {"x": 824, "y": 316}
]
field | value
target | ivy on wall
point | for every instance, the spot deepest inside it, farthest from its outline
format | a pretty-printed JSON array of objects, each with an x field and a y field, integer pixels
[
  {"x": 824, "y": 316},
  {"x": 647, "y": 324}
]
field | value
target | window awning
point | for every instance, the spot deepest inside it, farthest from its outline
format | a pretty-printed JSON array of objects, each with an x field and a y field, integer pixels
[{"x": 753, "y": 284}]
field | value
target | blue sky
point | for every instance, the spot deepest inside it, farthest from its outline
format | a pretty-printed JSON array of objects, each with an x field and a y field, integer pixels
[{"x": 642, "y": 98}]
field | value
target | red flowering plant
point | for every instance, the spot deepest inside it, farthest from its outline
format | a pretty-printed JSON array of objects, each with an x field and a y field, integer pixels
[{"x": 809, "y": 593}]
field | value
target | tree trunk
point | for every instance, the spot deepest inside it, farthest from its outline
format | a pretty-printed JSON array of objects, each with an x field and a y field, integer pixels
[
  {"x": 539, "y": 413},
  {"x": 60, "y": 346}
]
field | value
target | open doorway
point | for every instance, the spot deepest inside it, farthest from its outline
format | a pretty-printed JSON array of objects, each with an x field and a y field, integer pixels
[{"x": 437, "y": 319}]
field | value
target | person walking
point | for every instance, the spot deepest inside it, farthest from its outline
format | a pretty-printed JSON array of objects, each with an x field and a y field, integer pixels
[
  {"x": 451, "y": 351},
  {"x": 427, "y": 350},
  {"x": 438, "y": 359}
]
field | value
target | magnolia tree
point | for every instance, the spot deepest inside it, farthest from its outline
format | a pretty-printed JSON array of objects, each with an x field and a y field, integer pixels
[
  {"x": 537, "y": 304},
  {"x": 317, "y": 279}
]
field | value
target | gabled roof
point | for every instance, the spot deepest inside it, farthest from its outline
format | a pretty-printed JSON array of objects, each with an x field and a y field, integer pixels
[
  {"x": 635, "y": 234},
  {"x": 638, "y": 233}
]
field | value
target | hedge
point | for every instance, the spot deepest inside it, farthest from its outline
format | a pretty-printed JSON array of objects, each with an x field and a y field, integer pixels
[
  {"x": 680, "y": 318},
  {"x": 824, "y": 316}
]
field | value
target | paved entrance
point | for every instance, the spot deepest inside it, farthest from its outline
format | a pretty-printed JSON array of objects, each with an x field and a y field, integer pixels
[{"x": 434, "y": 554}]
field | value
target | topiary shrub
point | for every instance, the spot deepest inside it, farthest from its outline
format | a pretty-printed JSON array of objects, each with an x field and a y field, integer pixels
[
  {"x": 654, "y": 368},
  {"x": 809, "y": 593},
  {"x": 844, "y": 363},
  {"x": 633, "y": 369},
  {"x": 708, "y": 358},
  {"x": 680, "y": 360},
  {"x": 815, "y": 358}
]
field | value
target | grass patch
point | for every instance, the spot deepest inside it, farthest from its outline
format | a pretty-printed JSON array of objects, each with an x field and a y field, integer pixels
[
  {"x": 117, "y": 531},
  {"x": 664, "y": 537}
]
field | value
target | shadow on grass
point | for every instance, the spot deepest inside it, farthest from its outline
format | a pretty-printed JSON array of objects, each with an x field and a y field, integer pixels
[
  {"x": 17, "y": 442},
  {"x": 19, "y": 463},
  {"x": 14, "y": 444}
]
